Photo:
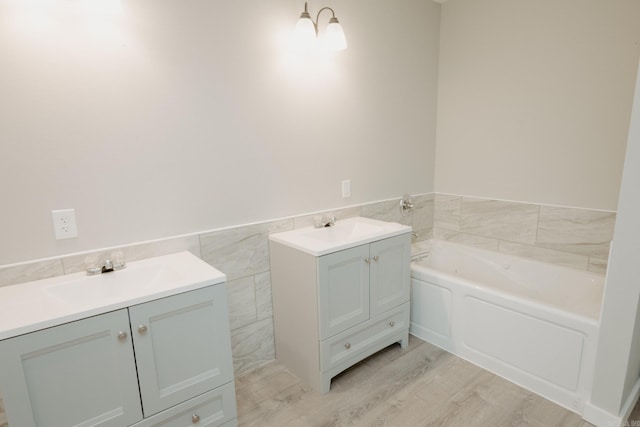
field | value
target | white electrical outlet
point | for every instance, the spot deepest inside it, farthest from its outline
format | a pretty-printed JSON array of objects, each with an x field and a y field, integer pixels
[
  {"x": 346, "y": 188},
  {"x": 64, "y": 223}
]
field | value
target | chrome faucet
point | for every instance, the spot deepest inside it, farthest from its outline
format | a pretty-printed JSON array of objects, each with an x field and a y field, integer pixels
[
  {"x": 326, "y": 221},
  {"x": 108, "y": 265}
]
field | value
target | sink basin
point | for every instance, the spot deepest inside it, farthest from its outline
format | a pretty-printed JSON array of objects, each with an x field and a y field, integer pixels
[
  {"x": 344, "y": 231},
  {"x": 109, "y": 286},
  {"x": 344, "y": 234},
  {"x": 40, "y": 304}
]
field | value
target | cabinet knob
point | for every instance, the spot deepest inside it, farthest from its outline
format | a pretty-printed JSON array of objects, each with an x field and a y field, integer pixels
[
  {"x": 367, "y": 260},
  {"x": 142, "y": 329},
  {"x": 195, "y": 418},
  {"x": 122, "y": 335},
  {"x": 375, "y": 257},
  {"x": 392, "y": 323},
  {"x": 347, "y": 346}
]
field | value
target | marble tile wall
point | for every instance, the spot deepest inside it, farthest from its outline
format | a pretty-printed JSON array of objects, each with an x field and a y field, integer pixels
[
  {"x": 242, "y": 253},
  {"x": 577, "y": 238}
]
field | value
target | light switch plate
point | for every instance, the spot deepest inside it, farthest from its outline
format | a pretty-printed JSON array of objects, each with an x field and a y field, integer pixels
[{"x": 346, "y": 188}]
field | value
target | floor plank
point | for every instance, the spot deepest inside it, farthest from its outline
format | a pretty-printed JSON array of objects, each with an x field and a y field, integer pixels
[{"x": 419, "y": 386}]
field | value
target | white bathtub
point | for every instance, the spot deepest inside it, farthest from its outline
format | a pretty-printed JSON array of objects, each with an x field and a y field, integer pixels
[{"x": 532, "y": 323}]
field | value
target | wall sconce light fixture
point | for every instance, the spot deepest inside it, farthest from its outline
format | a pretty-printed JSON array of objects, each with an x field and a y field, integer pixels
[{"x": 307, "y": 30}]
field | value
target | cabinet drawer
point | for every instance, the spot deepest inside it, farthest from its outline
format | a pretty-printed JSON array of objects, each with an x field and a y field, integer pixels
[
  {"x": 214, "y": 408},
  {"x": 360, "y": 339}
]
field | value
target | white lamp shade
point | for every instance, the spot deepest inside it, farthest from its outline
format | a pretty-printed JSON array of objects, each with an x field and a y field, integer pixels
[
  {"x": 334, "y": 36},
  {"x": 305, "y": 32}
]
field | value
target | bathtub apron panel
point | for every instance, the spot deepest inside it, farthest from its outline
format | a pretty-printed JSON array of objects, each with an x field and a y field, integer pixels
[{"x": 492, "y": 322}]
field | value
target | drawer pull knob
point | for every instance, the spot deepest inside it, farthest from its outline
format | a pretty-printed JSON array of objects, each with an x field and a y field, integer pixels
[
  {"x": 347, "y": 346},
  {"x": 122, "y": 335},
  {"x": 392, "y": 323},
  {"x": 375, "y": 257},
  {"x": 142, "y": 329},
  {"x": 195, "y": 418},
  {"x": 367, "y": 260}
]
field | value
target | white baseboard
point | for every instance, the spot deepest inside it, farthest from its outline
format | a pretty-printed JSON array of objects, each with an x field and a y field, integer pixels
[
  {"x": 602, "y": 418},
  {"x": 631, "y": 401},
  {"x": 599, "y": 417}
]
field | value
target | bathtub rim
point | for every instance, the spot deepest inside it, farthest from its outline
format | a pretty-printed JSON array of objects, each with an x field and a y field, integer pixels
[
  {"x": 434, "y": 243},
  {"x": 531, "y": 306},
  {"x": 429, "y": 274}
]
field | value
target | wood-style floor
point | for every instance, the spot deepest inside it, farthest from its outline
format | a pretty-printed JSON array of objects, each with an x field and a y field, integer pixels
[{"x": 419, "y": 386}]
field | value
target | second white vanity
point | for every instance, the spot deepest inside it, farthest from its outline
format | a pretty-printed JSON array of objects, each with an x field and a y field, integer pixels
[{"x": 340, "y": 294}]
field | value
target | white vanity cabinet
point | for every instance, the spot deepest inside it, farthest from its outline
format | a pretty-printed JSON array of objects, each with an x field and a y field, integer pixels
[
  {"x": 333, "y": 310},
  {"x": 165, "y": 362}
]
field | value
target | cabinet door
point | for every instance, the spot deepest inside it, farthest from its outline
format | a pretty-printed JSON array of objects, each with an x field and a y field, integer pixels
[
  {"x": 343, "y": 293},
  {"x": 182, "y": 345},
  {"x": 390, "y": 273},
  {"x": 78, "y": 374}
]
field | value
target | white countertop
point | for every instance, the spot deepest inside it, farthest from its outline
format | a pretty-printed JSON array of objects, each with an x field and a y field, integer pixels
[
  {"x": 345, "y": 234},
  {"x": 31, "y": 306}
]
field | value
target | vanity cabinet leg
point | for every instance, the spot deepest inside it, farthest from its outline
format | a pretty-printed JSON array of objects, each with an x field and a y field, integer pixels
[
  {"x": 325, "y": 384},
  {"x": 404, "y": 342}
]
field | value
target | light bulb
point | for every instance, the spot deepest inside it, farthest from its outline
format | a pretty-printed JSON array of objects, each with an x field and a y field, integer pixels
[
  {"x": 305, "y": 31},
  {"x": 334, "y": 36}
]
